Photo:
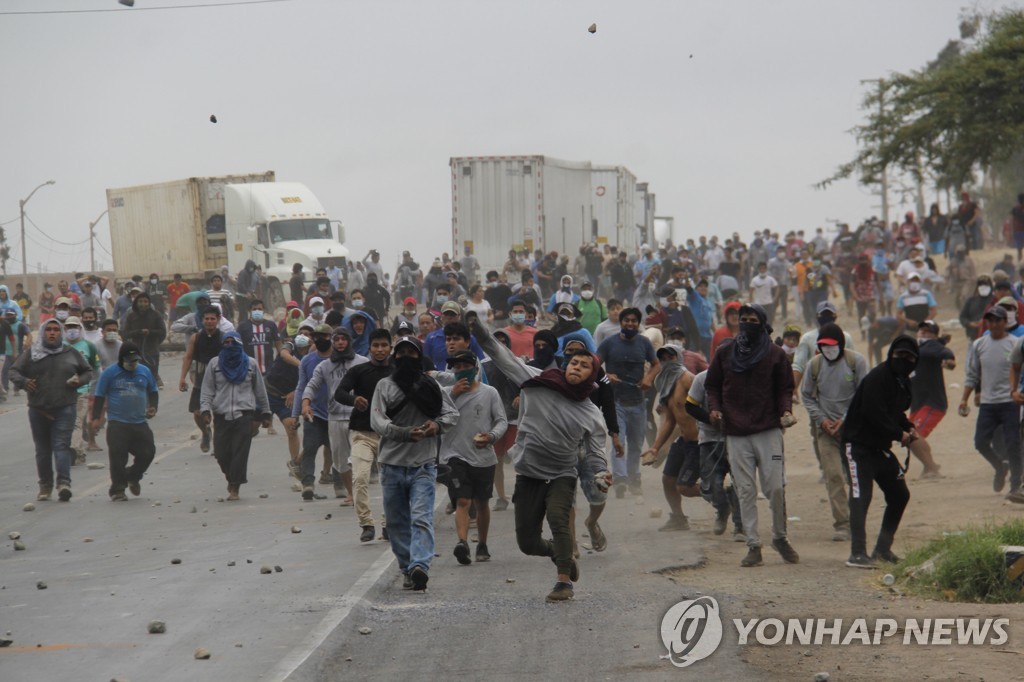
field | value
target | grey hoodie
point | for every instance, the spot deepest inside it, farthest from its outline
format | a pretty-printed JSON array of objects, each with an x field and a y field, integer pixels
[
  {"x": 331, "y": 373},
  {"x": 395, "y": 447},
  {"x": 552, "y": 428},
  {"x": 228, "y": 400},
  {"x": 831, "y": 394}
]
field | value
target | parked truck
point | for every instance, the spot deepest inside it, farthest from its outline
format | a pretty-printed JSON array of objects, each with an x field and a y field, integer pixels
[
  {"x": 538, "y": 202},
  {"x": 197, "y": 225}
]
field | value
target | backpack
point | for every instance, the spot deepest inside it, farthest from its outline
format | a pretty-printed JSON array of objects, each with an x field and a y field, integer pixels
[{"x": 815, "y": 367}]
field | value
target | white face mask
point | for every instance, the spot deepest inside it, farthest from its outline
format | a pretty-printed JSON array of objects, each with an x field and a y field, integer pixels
[
  {"x": 914, "y": 287},
  {"x": 1011, "y": 318},
  {"x": 984, "y": 291},
  {"x": 831, "y": 353},
  {"x": 586, "y": 295},
  {"x": 63, "y": 314},
  {"x": 72, "y": 333},
  {"x": 663, "y": 302},
  {"x": 110, "y": 337}
]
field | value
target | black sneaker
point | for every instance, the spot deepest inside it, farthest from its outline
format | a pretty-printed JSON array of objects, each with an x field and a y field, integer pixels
[
  {"x": 783, "y": 547},
  {"x": 562, "y": 592},
  {"x": 367, "y": 534},
  {"x": 753, "y": 558},
  {"x": 307, "y": 492},
  {"x": 482, "y": 553},
  {"x": 860, "y": 561},
  {"x": 721, "y": 523},
  {"x": 63, "y": 492},
  {"x": 885, "y": 555},
  {"x": 406, "y": 582},
  {"x": 118, "y": 497},
  {"x": 384, "y": 534},
  {"x": 135, "y": 488},
  {"x": 204, "y": 444},
  {"x": 462, "y": 552},
  {"x": 999, "y": 481},
  {"x": 419, "y": 579}
]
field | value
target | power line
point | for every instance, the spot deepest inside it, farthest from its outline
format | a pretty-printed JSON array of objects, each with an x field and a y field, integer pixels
[
  {"x": 53, "y": 239},
  {"x": 142, "y": 9}
]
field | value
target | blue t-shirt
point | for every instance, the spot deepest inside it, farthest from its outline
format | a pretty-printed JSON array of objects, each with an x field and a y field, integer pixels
[
  {"x": 127, "y": 393},
  {"x": 626, "y": 359}
]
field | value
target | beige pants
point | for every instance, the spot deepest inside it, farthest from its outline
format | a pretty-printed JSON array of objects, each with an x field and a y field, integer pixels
[
  {"x": 835, "y": 478},
  {"x": 81, "y": 413},
  {"x": 337, "y": 433},
  {"x": 364, "y": 450}
]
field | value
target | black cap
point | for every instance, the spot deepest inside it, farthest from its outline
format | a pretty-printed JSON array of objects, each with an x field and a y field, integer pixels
[
  {"x": 464, "y": 355},
  {"x": 996, "y": 311},
  {"x": 410, "y": 340},
  {"x": 930, "y": 325}
]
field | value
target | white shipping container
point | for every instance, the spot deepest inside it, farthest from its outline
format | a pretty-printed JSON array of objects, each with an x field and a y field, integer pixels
[
  {"x": 664, "y": 228},
  {"x": 644, "y": 213},
  {"x": 613, "y": 201}
]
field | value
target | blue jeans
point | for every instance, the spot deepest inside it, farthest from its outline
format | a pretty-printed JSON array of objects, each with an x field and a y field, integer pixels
[
  {"x": 51, "y": 432},
  {"x": 409, "y": 509},
  {"x": 585, "y": 474},
  {"x": 1004, "y": 417},
  {"x": 632, "y": 424}
]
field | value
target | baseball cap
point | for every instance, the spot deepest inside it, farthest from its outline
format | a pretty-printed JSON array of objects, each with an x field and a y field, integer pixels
[
  {"x": 914, "y": 275},
  {"x": 73, "y": 321},
  {"x": 1007, "y": 301},
  {"x": 451, "y": 307},
  {"x": 464, "y": 355},
  {"x": 131, "y": 355},
  {"x": 316, "y": 299},
  {"x": 63, "y": 300},
  {"x": 827, "y": 306},
  {"x": 930, "y": 325},
  {"x": 323, "y": 329},
  {"x": 997, "y": 312},
  {"x": 410, "y": 340},
  {"x": 409, "y": 300}
]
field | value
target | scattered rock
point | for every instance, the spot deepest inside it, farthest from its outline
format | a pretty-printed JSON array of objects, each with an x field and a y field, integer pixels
[
  {"x": 278, "y": 569},
  {"x": 86, "y": 539},
  {"x": 238, "y": 645},
  {"x": 231, "y": 563},
  {"x": 19, "y": 546},
  {"x": 95, "y": 465},
  {"x": 296, "y": 529},
  {"x": 348, "y": 659},
  {"x": 156, "y": 627},
  {"x": 192, "y": 510},
  {"x": 118, "y": 679},
  {"x": 822, "y": 677},
  {"x": 4, "y": 643},
  {"x": 220, "y": 499},
  {"x": 364, "y": 630},
  {"x": 14, "y": 535},
  {"x": 655, "y": 513},
  {"x": 157, "y": 504},
  {"x": 327, "y": 518},
  {"x": 296, "y": 488},
  {"x": 29, "y": 507},
  {"x": 175, "y": 561},
  {"x": 202, "y": 654},
  {"x": 510, "y": 580},
  {"x": 40, "y": 585},
  {"x": 248, "y": 561},
  {"x": 266, "y": 569},
  {"x": 264, "y": 496},
  {"x": 593, "y": 28},
  {"x": 204, "y": 524},
  {"x": 317, "y": 496}
]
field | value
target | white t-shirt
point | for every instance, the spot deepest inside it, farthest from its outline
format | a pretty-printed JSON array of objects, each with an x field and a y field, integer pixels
[
  {"x": 762, "y": 286},
  {"x": 481, "y": 309}
]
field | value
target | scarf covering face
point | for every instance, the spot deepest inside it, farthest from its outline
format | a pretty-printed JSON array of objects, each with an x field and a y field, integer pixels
[
  {"x": 666, "y": 380},
  {"x": 555, "y": 380},
  {"x": 349, "y": 352},
  {"x": 39, "y": 350},
  {"x": 748, "y": 350},
  {"x": 294, "y": 320},
  {"x": 233, "y": 361},
  {"x": 421, "y": 390}
]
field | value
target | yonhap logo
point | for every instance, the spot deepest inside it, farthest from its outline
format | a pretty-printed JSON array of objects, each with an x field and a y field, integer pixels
[{"x": 691, "y": 631}]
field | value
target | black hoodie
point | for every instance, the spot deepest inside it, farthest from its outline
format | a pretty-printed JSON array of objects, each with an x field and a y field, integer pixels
[
  {"x": 877, "y": 415},
  {"x": 138, "y": 321}
]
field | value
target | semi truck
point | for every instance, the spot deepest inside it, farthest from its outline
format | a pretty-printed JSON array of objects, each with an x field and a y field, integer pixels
[
  {"x": 198, "y": 225},
  {"x": 539, "y": 202}
]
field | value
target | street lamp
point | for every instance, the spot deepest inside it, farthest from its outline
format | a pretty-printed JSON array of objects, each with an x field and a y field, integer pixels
[
  {"x": 21, "y": 208},
  {"x": 92, "y": 240}
]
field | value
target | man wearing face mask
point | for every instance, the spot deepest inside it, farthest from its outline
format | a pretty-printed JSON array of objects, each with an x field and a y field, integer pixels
[
  {"x": 145, "y": 327},
  {"x": 259, "y": 336},
  {"x": 808, "y": 346},
  {"x": 202, "y": 347},
  {"x": 408, "y": 315},
  {"x": 62, "y": 309},
  {"x": 544, "y": 350},
  {"x": 249, "y": 288},
  {"x": 916, "y": 304},
  {"x": 51, "y": 372},
  {"x": 157, "y": 294},
  {"x": 377, "y": 298},
  {"x": 990, "y": 361},
  {"x": 520, "y": 334},
  {"x": 929, "y": 387},
  {"x": 128, "y": 394},
  {"x": 316, "y": 431},
  {"x": 827, "y": 389},
  {"x": 90, "y": 326},
  {"x": 749, "y": 388},
  {"x": 73, "y": 337},
  {"x": 498, "y": 294},
  {"x": 564, "y": 294},
  {"x": 109, "y": 346},
  {"x": 317, "y": 312},
  {"x": 408, "y": 411},
  {"x": 877, "y": 417},
  {"x": 625, "y": 356},
  {"x": 592, "y": 311},
  {"x": 1013, "y": 326}
]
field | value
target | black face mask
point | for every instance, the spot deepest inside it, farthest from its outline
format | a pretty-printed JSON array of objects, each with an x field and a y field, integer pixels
[
  {"x": 752, "y": 330},
  {"x": 902, "y": 367},
  {"x": 825, "y": 319},
  {"x": 543, "y": 355},
  {"x": 407, "y": 369},
  {"x": 322, "y": 345},
  {"x": 338, "y": 306},
  {"x": 89, "y": 324}
]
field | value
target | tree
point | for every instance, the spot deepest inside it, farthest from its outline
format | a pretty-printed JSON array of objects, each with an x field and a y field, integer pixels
[{"x": 963, "y": 110}]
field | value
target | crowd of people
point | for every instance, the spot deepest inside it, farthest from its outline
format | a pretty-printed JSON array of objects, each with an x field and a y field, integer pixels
[{"x": 578, "y": 371}]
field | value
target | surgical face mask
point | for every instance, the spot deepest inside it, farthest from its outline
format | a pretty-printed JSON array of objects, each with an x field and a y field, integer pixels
[
  {"x": 130, "y": 365},
  {"x": 301, "y": 341},
  {"x": 72, "y": 333},
  {"x": 441, "y": 298},
  {"x": 517, "y": 318},
  {"x": 663, "y": 302},
  {"x": 63, "y": 314},
  {"x": 586, "y": 295},
  {"x": 630, "y": 333},
  {"x": 317, "y": 310},
  {"x": 1011, "y": 318},
  {"x": 984, "y": 290},
  {"x": 153, "y": 280},
  {"x": 322, "y": 345},
  {"x": 110, "y": 337},
  {"x": 467, "y": 374},
  {"x": 256, "y": 315},
  {"x": 914, "y": 287},
  {"x": 831, "y": 353},
  {"x": 492, "y": 284},
  {"x": 358, "y": 303}
]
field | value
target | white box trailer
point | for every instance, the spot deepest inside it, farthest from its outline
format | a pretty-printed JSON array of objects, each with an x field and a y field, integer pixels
[
  {"x": 538, "y": 202},
  {"x": 644, "y": 213}
]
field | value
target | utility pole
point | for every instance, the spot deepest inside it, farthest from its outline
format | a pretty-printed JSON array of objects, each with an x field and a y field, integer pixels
[
  {"x": 21, "y": 210},
  {"x": 885, "y": 176},
  {"x": 92, "y": 241}
]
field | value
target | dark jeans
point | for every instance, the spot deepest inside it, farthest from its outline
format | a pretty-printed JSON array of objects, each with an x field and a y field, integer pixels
[
  {"x": 714, "y": 465},
  {"x": 865, "y": 467},
  {"x": 536, "y": 500},
  {"x": 315, "y": 434},
  {"x": 1004, "y": 418},
  {"x": 232, "y": 439},
  {"x": 124, "y": 440},
  {"x": 51, "y": 432}
]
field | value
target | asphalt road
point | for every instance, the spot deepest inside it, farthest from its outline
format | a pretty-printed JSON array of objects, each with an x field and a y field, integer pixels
[{"x": 484, "y": 620}]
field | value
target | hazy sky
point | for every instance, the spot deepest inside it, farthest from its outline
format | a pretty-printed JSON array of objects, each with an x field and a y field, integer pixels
[{"x": 365, "y": 102}]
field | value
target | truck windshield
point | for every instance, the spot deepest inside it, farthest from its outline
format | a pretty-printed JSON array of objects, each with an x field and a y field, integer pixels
[{"x": 303, "y": 228}]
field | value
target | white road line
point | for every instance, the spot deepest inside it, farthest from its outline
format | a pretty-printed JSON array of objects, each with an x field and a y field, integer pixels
[{"x": 300, "y": 654}]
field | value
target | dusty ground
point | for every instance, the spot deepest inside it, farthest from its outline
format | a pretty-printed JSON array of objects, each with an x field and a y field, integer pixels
[{"x": 822, "y": 587}]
